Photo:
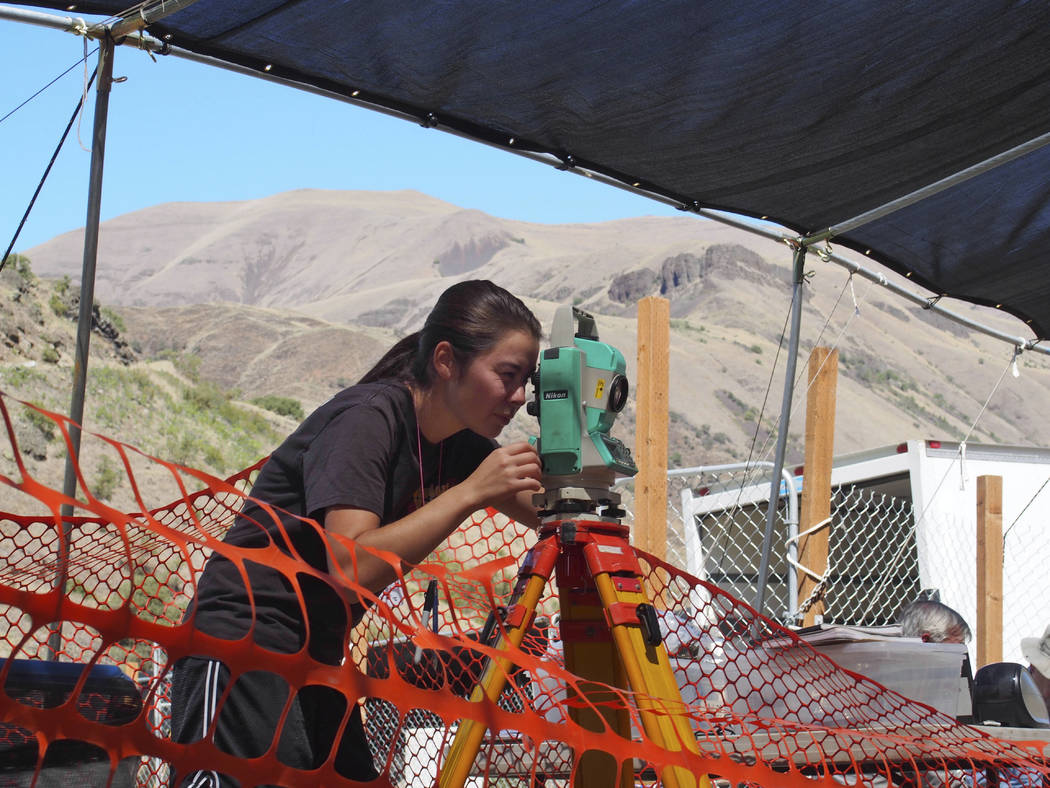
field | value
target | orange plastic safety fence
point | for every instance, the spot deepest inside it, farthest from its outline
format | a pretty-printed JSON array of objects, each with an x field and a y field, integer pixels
[{"x": 93, "y": 604}]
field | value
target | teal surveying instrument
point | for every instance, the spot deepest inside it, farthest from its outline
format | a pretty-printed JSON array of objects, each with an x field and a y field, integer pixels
[
  {"x": 580, "y": 387},
  {"x": 609, "y": 628}
]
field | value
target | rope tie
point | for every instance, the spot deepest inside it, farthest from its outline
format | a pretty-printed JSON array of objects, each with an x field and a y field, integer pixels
[
  {"x": 932, "y": 302},
  {"x": 83, "y": 96},
  {"x": 1013, "y": 362},
  {"x": 821, "y": 579}
]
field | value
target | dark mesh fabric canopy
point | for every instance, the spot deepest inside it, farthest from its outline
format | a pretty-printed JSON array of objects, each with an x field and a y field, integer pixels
[{"x": 806, "y": 112}]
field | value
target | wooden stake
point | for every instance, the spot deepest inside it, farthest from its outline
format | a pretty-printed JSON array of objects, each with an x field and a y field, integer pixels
[
  {"x": 650, "y": 488},
  {"x": 989, "y": 569},
  {"x": 816, "y": 484}
]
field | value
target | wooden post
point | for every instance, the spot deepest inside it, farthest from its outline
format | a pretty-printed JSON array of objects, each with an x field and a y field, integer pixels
[
  {"x": 650, "y": 488},
  {"x": 989, "y": 569},
  {"x": 816, "y": 484}
]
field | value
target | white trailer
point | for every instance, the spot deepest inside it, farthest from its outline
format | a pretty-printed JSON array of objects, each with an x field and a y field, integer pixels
[{"x": 904, "y": 519}]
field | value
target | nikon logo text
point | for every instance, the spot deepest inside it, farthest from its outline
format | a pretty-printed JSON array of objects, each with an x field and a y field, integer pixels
[{"x": 561, "y": 394}]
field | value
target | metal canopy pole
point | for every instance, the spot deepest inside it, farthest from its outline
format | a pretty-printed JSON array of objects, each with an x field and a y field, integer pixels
[
  {"x": 87, "y": 301},
  {"x": 785, "y": 420},
  {"x": 929, "y": 190}
]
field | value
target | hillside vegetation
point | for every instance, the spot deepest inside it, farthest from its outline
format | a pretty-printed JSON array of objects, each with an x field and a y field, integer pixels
[{"x": 159, "y": 404}]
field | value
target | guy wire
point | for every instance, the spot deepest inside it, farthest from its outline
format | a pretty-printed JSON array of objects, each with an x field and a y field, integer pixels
[{"x": 47, "y": 171}]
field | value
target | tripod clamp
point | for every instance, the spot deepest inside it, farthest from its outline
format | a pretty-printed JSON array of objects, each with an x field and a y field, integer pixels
[{"x": 558, "y": 501}]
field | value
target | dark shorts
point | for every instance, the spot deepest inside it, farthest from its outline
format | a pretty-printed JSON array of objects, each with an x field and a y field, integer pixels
[{"x": 245, "y": 722}]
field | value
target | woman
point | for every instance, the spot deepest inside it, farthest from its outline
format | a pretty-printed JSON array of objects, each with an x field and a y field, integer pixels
[{"x": 396, "y": 463}]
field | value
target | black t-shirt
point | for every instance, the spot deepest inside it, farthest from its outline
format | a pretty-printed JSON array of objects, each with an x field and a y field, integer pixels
[{"x": 359, "y": 450}]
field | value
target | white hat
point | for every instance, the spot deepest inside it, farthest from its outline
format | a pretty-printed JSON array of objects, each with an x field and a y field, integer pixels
[{"x": 1037, "y": 651}]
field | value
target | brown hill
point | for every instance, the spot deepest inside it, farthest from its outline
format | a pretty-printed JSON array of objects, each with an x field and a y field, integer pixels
[{"x": 309, "y": 286}]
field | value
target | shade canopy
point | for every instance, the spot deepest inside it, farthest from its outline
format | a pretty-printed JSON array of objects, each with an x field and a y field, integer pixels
[{"x": 807, "y": 112}]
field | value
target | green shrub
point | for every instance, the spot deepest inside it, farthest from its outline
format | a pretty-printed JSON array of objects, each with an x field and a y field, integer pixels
[
  {"x": 50, "y": 355},
  {"x": 282, "y": 406},
  {"x": 58, "y": 306},
  {"x": 19, "y": 263},
  {"x": 116, "y": 320},
  {"x": 109, "y": 478},
  {"x": 186, "y": 364},
  {"x": 14, "y": 377},
  {"x": 182, "y": 448},
  {"x": 206, "y": 396},
  {"x": 213, "y": 457},
  {"x": 41, "y": 422}
]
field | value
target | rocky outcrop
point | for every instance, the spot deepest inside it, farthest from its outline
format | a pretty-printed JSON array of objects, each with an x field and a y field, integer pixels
[
  {"x": 461, "y": 257},
  {"x": 388, "y": 315},
  {"x": 677, "y": 273},
  {"x": 633, "y": 285},
  {"x": 39, "y": 323}
]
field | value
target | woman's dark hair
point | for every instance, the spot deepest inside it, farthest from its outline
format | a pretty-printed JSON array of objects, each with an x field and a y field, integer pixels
[{"x": 471, "y": 316}]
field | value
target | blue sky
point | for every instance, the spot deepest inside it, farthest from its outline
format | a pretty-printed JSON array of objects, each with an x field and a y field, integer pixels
[{"x": 179, "y": 131}]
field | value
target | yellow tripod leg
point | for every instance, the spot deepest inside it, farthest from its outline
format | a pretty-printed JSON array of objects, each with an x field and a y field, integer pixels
[
  {"x": 532, "y": 578},
  {"x": 590, "y": 654},
  {"x": 649, "y": 674},
  {"x": 647, "y": 666}
]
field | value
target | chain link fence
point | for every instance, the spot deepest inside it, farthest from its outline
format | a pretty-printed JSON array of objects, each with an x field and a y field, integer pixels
[{"x": 872, "y": 555}]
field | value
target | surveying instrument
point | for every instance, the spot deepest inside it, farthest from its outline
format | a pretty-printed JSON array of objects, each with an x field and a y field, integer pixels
[{"x": 609, "y": 629}]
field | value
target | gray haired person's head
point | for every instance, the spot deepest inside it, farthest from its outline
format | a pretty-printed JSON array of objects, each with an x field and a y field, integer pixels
[{"x": 933, "y": 622}]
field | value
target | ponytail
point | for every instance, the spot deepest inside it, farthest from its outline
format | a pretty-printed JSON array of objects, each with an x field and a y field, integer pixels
[
  {"x": 397, "y": 362},
  {"x": 472, "y": 316}
]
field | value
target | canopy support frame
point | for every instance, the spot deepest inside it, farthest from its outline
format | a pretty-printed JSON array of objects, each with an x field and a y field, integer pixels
[
  {"x": 798, "y": 279},
  {"x": 84, "y": 319}
]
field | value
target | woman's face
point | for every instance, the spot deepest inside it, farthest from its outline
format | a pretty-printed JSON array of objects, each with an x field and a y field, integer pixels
[{"x": 490, "y": 389}]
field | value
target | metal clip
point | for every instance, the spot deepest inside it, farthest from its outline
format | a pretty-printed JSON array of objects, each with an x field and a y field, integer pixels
[
  {"x": 650, "y": 624},
  {"x": 568, "y": 162}
]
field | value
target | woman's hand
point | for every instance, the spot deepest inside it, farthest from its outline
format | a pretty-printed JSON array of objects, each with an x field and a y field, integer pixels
[{"x": 506, "y": 472}]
